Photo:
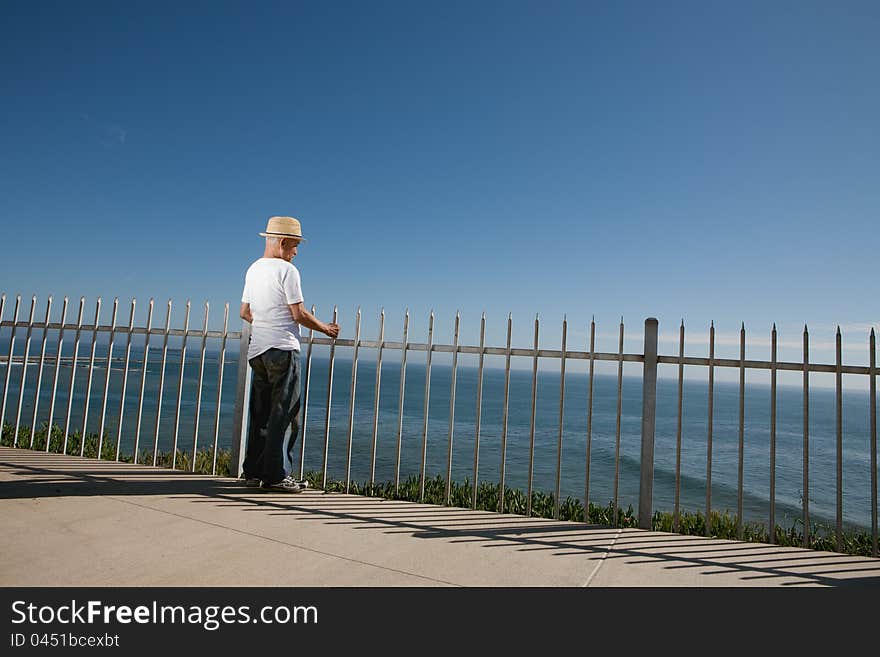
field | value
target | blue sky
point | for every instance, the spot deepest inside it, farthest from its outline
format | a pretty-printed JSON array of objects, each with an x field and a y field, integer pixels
[{"x": 696, "y": 160}]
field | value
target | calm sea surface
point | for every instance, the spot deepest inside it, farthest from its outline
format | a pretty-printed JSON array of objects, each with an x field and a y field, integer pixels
[{"x": 789, "y": 453}]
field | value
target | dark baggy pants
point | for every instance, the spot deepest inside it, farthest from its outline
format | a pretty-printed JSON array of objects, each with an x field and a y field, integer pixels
[{"x": 274, "y": 415}]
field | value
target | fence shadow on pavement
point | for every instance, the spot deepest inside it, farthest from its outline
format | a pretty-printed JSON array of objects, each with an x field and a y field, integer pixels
[{"x": 29, "y": 475}]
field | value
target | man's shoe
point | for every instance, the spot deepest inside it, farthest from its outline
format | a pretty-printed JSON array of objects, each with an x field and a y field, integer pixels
[
  {"x": 286, "y": 485},
  {"x": 250, "y": 482}
]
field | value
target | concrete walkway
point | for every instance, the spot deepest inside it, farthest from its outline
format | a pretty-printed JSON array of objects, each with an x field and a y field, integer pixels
[{"x": 67, "y": 521}]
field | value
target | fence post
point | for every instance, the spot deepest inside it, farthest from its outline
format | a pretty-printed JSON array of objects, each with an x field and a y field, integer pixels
[
  {"x": 649, "y": 406},
  {"x": 242, "y": 394}
]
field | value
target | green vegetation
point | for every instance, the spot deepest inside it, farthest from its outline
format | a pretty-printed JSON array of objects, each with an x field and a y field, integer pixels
[
  {"x": 723, "y": 524},
  {"x": 204, "y": 457}
]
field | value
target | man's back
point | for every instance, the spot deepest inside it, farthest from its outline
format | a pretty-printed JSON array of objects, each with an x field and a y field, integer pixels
[{"x": 271, "y": 285}]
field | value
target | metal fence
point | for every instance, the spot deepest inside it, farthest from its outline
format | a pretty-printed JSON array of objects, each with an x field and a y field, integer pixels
[
  {"x": 650, "y": 359},
  {"x": 113, "y": 330}
]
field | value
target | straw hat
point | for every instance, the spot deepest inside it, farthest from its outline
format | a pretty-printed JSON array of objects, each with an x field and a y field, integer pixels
[{"x": 283, "y": 227}]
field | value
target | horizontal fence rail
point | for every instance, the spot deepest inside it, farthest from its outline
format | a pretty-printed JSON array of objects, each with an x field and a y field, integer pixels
[{"x": 121, "y": 336}]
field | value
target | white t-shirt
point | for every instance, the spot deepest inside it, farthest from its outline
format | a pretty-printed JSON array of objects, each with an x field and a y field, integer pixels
[{"x": 270, "y": 284}]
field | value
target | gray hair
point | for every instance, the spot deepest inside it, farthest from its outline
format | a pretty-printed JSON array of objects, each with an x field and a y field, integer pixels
[{"x": 279, "y": 241}]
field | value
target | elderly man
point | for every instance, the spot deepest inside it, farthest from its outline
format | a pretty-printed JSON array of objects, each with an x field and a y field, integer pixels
[{"x": 272, "y": 302}]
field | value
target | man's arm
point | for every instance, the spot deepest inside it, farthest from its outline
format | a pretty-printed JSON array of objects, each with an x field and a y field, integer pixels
[
  {"x": 304, "y": 318},
  {"x": 245, "y": 313}
]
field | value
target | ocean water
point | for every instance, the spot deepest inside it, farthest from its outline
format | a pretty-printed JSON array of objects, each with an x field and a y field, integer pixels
[{"x": 789, "y": 445}]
